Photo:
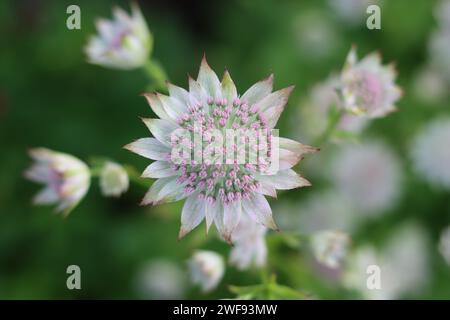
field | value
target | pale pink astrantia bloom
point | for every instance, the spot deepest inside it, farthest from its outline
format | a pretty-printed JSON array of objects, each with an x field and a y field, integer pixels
[
  {"x": 206, "y": 269},
  {"x": 249, "y": 244},
  {"x": 123, "y": 42},
  {"x": 330, "y": 247},
  {"x": 219, "y": 192},
  {"x": 65, "y": 177},
  {"x": 113, "y": 179},
  {"x": 368, "y": 87},
  {"x": 369, "y": 176},
  {"x": 430, "y": 153},
  {"x": 403, "y": 264}
]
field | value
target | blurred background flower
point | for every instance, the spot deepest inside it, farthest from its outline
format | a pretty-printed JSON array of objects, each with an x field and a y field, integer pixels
[
  {"x": 66, "y": 179},
  {"x": 206, "y": 269},
  {"x": 113, "y": 179},
  {"x": 402, "y": 261},
  {"x": 430, "y": 152},
  {"x": 368, "y": 175},
  {"x": 124, "y": 42},
  {"x": 160, "y": 279}
]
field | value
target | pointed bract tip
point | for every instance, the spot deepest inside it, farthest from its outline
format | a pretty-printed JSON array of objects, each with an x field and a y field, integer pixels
[
  {"x": 204, "y": 62},
  {"x": 127, "y": 147},
  {"x": 182, "y": 233},
  {"x": 307, "y": 183},
  {"x": 227, "y": 238}
]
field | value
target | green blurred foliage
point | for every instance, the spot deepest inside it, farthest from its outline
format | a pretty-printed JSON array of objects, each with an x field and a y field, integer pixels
[{"x": 50, "y": 96}]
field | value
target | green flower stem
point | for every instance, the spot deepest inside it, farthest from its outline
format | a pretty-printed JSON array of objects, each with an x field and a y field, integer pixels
[
  {"x": 156, "y": 73},
  {"x": 334, "y": 117},
  {"x": 135, "y": 177}
]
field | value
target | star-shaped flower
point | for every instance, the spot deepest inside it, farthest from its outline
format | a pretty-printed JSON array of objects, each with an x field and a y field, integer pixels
[{"x": 218, "y": 151}]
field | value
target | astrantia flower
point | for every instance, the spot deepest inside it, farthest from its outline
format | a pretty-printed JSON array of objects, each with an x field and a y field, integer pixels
[
  {"x": 431, "y": 154},
  {"x": 113, "y": 179},
  {"x": 249, "y": 244},
  {"x": 206, "y": 269},
  {"x": 221, "y": 178},
  {"x": 65, "y": 177},
  {"x": 369, "y": 176},
  {"x": 444, "y": 244},
  {"x": 330, "y": 247},
  {"x": 122, "y": 43},
  {"x": 368, "y": 87}
]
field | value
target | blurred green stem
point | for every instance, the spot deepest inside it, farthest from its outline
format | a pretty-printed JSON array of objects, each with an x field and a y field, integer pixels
[
  {"x": 334, "y": 117},
  {"x": 135, "y": 177},
  {"x": 156, "y": 73}
]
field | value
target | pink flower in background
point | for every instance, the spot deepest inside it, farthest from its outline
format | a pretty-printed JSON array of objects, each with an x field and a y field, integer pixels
[
  {"x": 403, "y": 262},
  {"x": 65, "y": 177},
  {"x": 430, "y": 153},
  {"x": 369, "y": 176},
  {"x": 122, "y": 43},
  {"x": 215, "y": 190},
  {"x": 368, "y": 87}
]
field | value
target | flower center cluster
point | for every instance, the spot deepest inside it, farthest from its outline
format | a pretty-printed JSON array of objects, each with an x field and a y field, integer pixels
[
  {"x": 368, "y": 89},
  {"x": 223, "y": 157}
]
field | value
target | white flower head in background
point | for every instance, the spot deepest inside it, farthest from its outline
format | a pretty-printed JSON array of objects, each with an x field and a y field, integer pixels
[
  {"x": 355, "y": 273},
  {"x": 325, "y": 210},
  {"x": 444, "y": 244},
  {"x": 122, "y": 43},
  {"x": 160, "y": 279},
  {"x": 368, "y": 87},
  {"x": 217, "y": 190},
  {"x": 430, "y": 153},
  {"x": 429, "y": 85},
  {"x": 439, "y": 51},
  {"x": 65, "y": 177},
  {"x": 442, "y": 14},
  {"x": 315, "y": 35},
  {"x": 249, "y": 244},
  {"x": 330, "y": 247},
  {"x": 206, "y": 269},
  {"x": 352, "y": 12},
  {"x": 369, "y": 175},
  {"x": 403, "y": 264},
  {"x": 113, "y": 179}
]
